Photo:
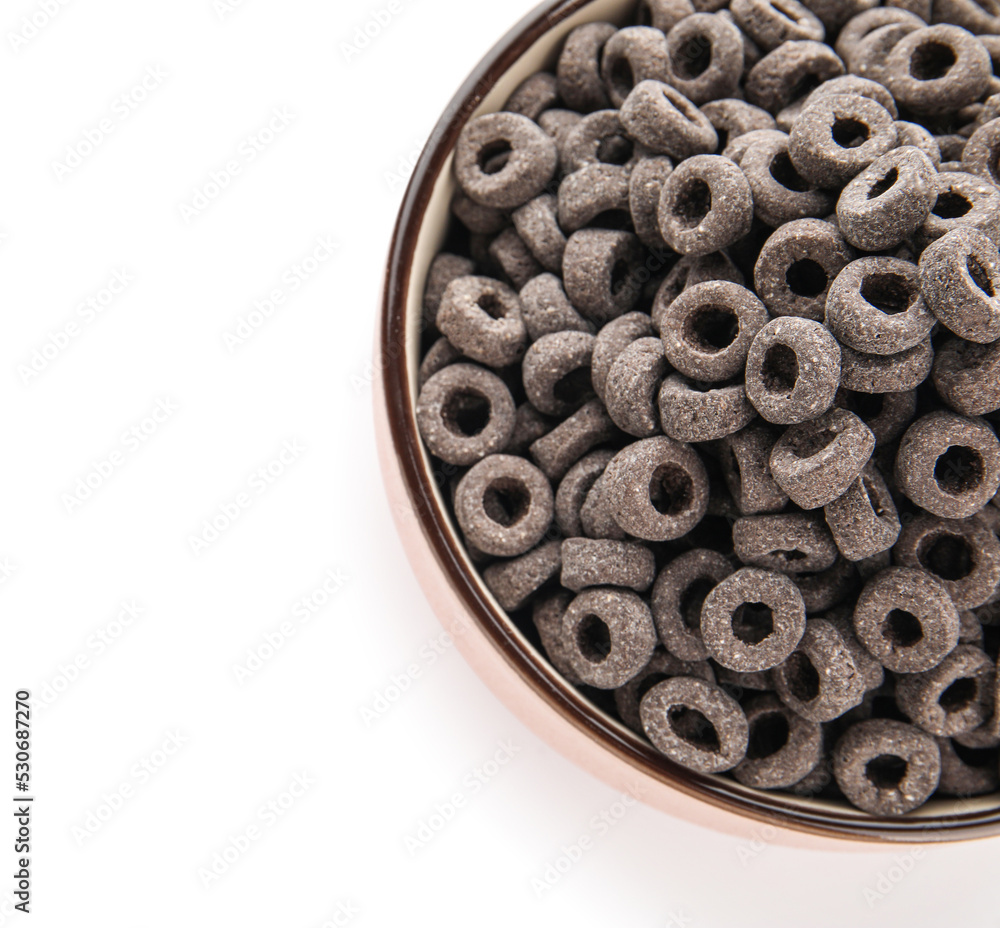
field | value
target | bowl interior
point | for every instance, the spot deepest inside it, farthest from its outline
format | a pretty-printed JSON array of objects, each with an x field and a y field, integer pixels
[{"x": 425, "y": 218}]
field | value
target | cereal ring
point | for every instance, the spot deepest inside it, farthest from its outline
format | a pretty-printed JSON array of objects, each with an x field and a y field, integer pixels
[
  {"x": 482, "y": 318},
  {"x": 663, "y": 14},
  {"x": 753, "y": 620},
  {"x": 704, "y": 57},
  {"x": 886, "y": 414},
  {"x": 770, "y": 25},
  {"x": 504, "y": 159},
  {"x": 666, "y": 121},
  {"x": 828, "y": 588},
  {"x": 631, "y": 56},
  {"x": 596, "y": 139},
  {"x": 510, "y": 253},
  {"x": 596, "y": 194},
  {"x": 745, "y": 458},
  {"x": 782, "y": 748},
  {"x": 465, "y": 413},
  {"x": 948, "y": 464},
  {"x": 780, "y": 193},
  {"x": 962, "y": 200},
  {"x": 912, "y": 134},
  {"x": 862, "y": 372},
  {"x": 906, "y": 619},
  {"x": 977, "y": 19},
  {"x": 964, "y": 775},
  {"x": 791, "y": 543},
  {"x": 573, "y": 490},
  {"x": 865, "y": 23},
  {"x": 690, "y": 271},
  {"x": 691, "y": 411},
  {"x": 779, "y": 77},
  {"x": 557, "y": 451},
  {"x": 864, "y": 521},
  {"x": 632, "y": 385},
  {"x": 529, "y": 426},
  {"x": 547, "y": 615},
  {"x": 479, "y": 219},
  {"x": 546, "y": 309},
  {"x": 738, "y": 145},
  {"x": 954, "y": 697},
  {"x": 578, "y": 73},
  {"x": 600, "y": 272},
  {"x": 514, "y": 582},
  {"x": 695, "y": 724},
  {"x": 609, "y": 636},
  {"x": 870, "y": 58},
  {"x": 732, "y": 118},
  {"x": 534, "y": 95},
  {"x": 662, "y": 666},
  {"x": 981, "y": 153},
  {"x": 657, "y": 488},
  {"x": 443, "y": 270},
  {"x": 603, "y": 562},
  {"x": 556, "y": 372},
  {"x": 537, "y": 225},
  {"x": 854, "y": 85},
  {"x": 967, "y": 376},
  {"x": 596, "y": 517},
  {"x": 438, "y": 357},
  {"x": 645, "y": 186}
]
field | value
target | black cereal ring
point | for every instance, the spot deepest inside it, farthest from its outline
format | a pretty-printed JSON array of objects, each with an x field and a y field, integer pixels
[
  {"x": 732, "y": 118},
  {"x": 443, "y": 270},
  {"x": 789, "y": 542},
  {"x": 595, "y": 194},
  {"x": 969, "y": 15},
  {"x": 886, "y": 767},
  {"x": 782, "y": 75},
  {"x": 708, "y": 329},
  {"x": 693, "y": 411},
  {"x": 769, "y": 25},
  {"x": 888, "y": 201},
  {"x": 545, "y": 308},
  {"x": 967, "y": 376},
  {"x": 631, "y": 56},
  {"x": 820, "y": 680},
  {"x": 590, "y": 562},
  {"x": 953, "y": 698},
  {"x": 479, "y": 219},
  {"x": 863, "y": 372},
  {"x": 556, "y": 372},
  {"x": 982, "y": 152},
  {"x": 737, "y": 145},
  {"x": 534, "y": 95},
  {"x": 860, "y": 86},
  {"x": 793, "y": 370},
  {"x": 971, "y": 629},
  {"x": 504, "y": 505},
  {"x": 513, "y": 582},
  {"x": 865, "y": 23},
  {"x": 960, "y": 277},
  {"x": 906, "y": 619},
  {"x": 872, "y": 672},
  {"x": 690, "y": 271},
  {"x": 609, "y": 636},
  {"x": 645, "y": 183},
  {"x": 547, "y": 616},
  {"x": 559, "y": 124},
  {"x": 875, "y": 306},
  {"x": 962, "y": 200},
  {"x": 600, "y": 272},
  {"x": 482, "y": 318},
  {"x": 557, "y": 451},
  {"x": 782, "y": 748},
  {"x": 538, "y": 225},
  {"x": 937, "y": 69},
  {"x": 662, "y": 666},
  {"x": 596, "y": 139},
  {"x": 504, "y": 159},
  {"x": 745, "y": 459},
  {"x": 573, "y": 490},
  {"x": 612, "y": 340},
  {"x": 963, "y": 555},
  {"x": 578, "y": 73},
  {"x": 510, "y": 253},
  {"x": 677, "y": 598},
  {"x": 828, "y": 588},
  {"x": 705, "y": 205},
  {"x": 870, "y": 58},
  {"x": 834, "y": 14},
  {"x": 438, "y": 357},
  {"x": 663, "y": 14},
  {"x": 705, "y": 57},
  {"x": 632, "y": 386},
  {"x": 529, "y": 426},
  {"x": 796, "y": 266},
  {"x": 657, "y": 489},
  {"x": 753, "y": 620},
  {"x": 780, "y": 193},
  {"x": 666, "y": 122},
  {"x": 948, "y": 464},
  {"x": 863, "y": 520},
  {"x": 962, "y": 778},
  {"x": 912, "y": 134},
  {"x": 596, "y": 516},
  {"x": 837, "y": 136},
  {"x": 696, "y": 724},
  {"x": 465, "y": 413}
]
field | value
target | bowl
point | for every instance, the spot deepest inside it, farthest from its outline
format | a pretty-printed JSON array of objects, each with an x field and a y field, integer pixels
[{"x": 501, "y": 654}]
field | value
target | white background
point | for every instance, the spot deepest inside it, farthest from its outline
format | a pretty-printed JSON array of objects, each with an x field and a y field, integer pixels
[{"x": 310, "y": 714}]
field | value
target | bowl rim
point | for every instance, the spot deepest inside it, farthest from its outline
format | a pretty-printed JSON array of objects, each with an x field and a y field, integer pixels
[{"x": 401, "y": 452}]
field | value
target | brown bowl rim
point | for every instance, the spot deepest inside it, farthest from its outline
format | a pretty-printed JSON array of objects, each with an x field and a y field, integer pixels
[{"x": 395, "y": 392}]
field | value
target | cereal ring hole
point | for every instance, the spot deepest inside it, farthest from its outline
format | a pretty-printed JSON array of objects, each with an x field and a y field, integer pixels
[
  {"x": 931, "y": 61},
  {"x": 980, "y": 275},
  {"x": 695, "y": 57},
  {"x": 714, "y": 532},
  {"x": 692, "y": 599},
  {"x": 951, "y": 204},
  {"x": 506, "y": 501},
  {"x": 768, "y": 735},
  {"x": 621, "y": 76},
  {"x": 593, "y": 638},
  {"x": 466, "y": 413},
  {"x": 492, "y": 305},
  {"x": 648, "y": 682},
  {"x": 958, "y": 470},
  {"x": 887, "y": 182},
  {"x": 780, "y": 370},
  {"x": 783, "y": 171},
  {"x": 711, "y": 328},
  {"x": 615, "y": 149},
  {"x": 886, "y": 771},
  {"x": 693, "y": 203},
  {"x": 975, "y": 757},
  {"x": 948, "y": 556},
  {"x": 806, "y": 277},
  {"x": 849, "y": 133},
  {"x": 671, "y": 490},
  {"x": 865, "y": 406},
  {"x": 960, "y": 695},
  {"x": 692, "y": 726},
  {"x": 801, "y": 677},
  {"x": 753, "y": 622},
  {"x": 902, "y": 629},
  {"x": 575, "y": 387},
  {"x": 889, "y": 293},
  {"x": 493, "y": 157}
]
